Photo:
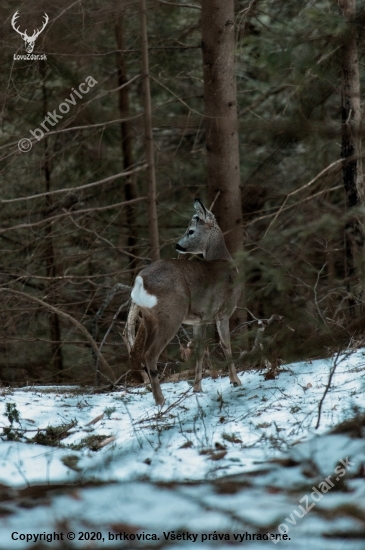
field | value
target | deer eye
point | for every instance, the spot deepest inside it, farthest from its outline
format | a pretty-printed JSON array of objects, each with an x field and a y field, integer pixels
[{"x": 191, "y": 232}]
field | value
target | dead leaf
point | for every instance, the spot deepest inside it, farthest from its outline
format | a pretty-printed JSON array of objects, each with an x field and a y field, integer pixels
[
  {"x": 71, "y": 462},
  {"x": 75, "y": 495},
  {"x": 232, "y": 438},
  {"x": 213, "y": 454},
  {"x": 218, "y": 456},
  {"x": 186, "y": 445},
  {"x": 273, "y": 490}
]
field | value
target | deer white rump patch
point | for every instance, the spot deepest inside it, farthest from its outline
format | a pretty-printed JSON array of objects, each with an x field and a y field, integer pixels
[{"x": 140, "y": 295}]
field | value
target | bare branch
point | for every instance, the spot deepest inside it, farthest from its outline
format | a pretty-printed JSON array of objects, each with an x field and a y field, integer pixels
[
  {"x": 115, "y": 317},
  {"x": 328, "y": 168},
  {"x": 73, "y": 212},
  {"x": 178, "y": 5},
  {"x": 148, "y": 132},
  {"x": 332, "y": 372},
  {"x": 73, "y": 189},
  {"x": 72, "y": 320}
]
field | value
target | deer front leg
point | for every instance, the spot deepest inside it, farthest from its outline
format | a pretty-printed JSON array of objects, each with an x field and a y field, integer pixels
[
  {"x": 199, "y": 341},
  {"x": 225, "y": 338}
]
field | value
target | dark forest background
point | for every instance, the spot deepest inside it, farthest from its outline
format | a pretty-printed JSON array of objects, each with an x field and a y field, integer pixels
[{"x": 63, "y": 251}]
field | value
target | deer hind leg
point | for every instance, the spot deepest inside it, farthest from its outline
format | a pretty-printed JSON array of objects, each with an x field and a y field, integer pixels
[
  {"x": 224, "y": 336},
  {"x": 136, "y": 356},
  {"x": 199, "y": 341},
  {"x": 159, "y": 332}
]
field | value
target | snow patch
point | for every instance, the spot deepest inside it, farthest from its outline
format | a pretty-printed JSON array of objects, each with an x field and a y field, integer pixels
[{"x": 253, "y": 453}]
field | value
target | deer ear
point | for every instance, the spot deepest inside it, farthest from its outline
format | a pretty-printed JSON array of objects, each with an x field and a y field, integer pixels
[{"x": 200, "y": 209}]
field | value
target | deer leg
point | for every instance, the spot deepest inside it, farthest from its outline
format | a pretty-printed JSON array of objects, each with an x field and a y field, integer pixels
[
  {"x": 159, "y": 332},
  {"x": 199, "y": 341},
  {"x": 225, "y": 338},
  {"x": 136, "y": 356}
]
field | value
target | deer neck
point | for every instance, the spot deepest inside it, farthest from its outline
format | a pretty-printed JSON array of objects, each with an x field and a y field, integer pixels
[{"x": 217, "y": 250}]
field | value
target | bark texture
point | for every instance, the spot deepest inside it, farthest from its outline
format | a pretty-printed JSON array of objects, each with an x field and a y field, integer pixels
[
  {"x": 54, "y": 323},
  {"x": 221, "y": 126},
  {"x": 351, "y": 147},
  {"x": 151, "y": 179},
  {"x": 130, "y": 188},
  {"x": 223, "y": 167}
]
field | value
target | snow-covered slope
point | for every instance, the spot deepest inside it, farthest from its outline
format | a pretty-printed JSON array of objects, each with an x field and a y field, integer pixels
[{"x": 252, "y": 452}]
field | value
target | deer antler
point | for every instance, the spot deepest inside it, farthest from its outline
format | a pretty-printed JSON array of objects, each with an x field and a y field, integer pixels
[
  {"x": 13, "y": 21},
  {"x": 37, "y": 33}
]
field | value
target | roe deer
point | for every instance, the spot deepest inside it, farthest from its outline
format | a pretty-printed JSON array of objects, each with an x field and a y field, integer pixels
[{"x": 174, "y": 292}]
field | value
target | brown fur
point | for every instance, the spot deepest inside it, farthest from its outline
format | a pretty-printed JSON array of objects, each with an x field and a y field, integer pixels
[{"x": 193, "y": 293}]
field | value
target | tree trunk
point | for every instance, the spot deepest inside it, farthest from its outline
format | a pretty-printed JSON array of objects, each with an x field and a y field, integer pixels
[
  {"x": 223, "y": 167},
  {"x": 152, "y": 211},
  {"x": 221, "y": 125},
  {"x": 351, "y": 147},
  {"x": 130, "y": 189},
  {"x": 54, "y": 324}
]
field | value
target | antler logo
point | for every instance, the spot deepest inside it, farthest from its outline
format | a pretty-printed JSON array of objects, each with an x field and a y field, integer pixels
[{"x": 29, "y": 40}]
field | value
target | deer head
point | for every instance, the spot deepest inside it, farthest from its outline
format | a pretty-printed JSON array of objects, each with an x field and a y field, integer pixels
[
  {"x": 203, "y": 235},
  {"x": 29, "y": 40}
]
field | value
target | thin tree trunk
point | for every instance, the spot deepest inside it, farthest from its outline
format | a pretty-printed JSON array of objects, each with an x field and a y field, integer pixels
[
  {"x": 221, "y": 125},
  {"x": 130, "y": 188},
  {"x": 54, "y": 324},
  {"x": 351, "y": 146},
  {"x": 152, "y": 210}
]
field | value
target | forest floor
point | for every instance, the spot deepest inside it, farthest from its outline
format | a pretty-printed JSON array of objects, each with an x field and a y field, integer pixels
[{"x": 210, "y": 469}]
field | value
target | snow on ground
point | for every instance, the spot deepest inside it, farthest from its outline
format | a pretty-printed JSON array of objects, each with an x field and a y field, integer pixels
[{"x": 224, "y": 462}]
